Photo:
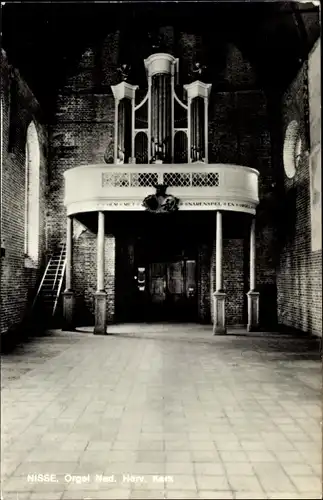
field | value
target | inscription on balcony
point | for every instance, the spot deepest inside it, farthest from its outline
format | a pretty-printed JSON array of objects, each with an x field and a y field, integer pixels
[
  {"x": 193, "y": 204},
  {"x": 218, "y": 204}
]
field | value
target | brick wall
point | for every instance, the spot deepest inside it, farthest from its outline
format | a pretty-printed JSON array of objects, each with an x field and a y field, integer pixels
[
  {"x": 18, "y": 278},
  {"x": 85, "y": 277},
  {"x": 203, "y": 285},
  {"x": 234, "y": 278},
  {"x": 82, "y": 130},
  {"x": 299, "y": 274}
]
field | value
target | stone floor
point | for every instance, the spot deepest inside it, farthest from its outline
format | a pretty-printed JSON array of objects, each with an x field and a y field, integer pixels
[{"x": 159, "y": 411}]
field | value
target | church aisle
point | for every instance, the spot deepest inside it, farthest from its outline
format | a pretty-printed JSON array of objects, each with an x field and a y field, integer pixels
[{"x": 162, "y": 411}]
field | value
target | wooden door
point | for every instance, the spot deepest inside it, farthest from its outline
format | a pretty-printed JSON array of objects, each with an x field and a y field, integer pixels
[
  {"x": 157, "y": 289},
  {"x": 191, "y": 290},
  {"x": 175, "y": 290}
]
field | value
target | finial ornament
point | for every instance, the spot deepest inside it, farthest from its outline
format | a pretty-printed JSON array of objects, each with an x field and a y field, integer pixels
[
  {"x": 124, "y": 71},
  {"x": 156, "y": 41},
  {"x": 197, "y": 71}
]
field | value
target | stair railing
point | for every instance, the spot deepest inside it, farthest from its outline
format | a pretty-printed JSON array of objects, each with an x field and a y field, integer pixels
[
  {"x": 41, "y": 283},
  {"x": 58, "y": 267},
  {"x": 59, "y": 288}
]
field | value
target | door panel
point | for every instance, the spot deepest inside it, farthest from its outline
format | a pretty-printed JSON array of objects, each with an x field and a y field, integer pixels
[
  {"x": 172, "y": 289},
  {"x": 158, "y": 282},
  {"x": 190, "y": 281},
  {"x": 175, "y": 278}
]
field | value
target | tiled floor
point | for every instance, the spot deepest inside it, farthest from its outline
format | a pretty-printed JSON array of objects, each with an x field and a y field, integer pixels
[{"x": 161, "y": 411}]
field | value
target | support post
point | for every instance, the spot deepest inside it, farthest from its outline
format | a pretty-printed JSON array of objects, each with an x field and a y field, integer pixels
[
  {"x": 132, "y": 130},
  {"x": 68, "y": 294},
  {"x": 253, "y": 296},
  {"x": 206, "y": 139},
  {"x": 189, "y": 130},
  {"x": 219, "y": 325},
  {"x": 116, "y": 131},
  {"x": 100, "y": 295}
]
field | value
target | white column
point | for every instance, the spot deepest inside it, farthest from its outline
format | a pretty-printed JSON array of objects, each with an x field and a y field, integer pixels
[
  {"x": 100, "y": 326},
  {"x": 189, "y": 127},
  {"x": 68, "y": 294},
  {"x": 219, "y": 251},
  {"x": 100, "y": 253},
  {"x": 69, "y": 253},
  {"x": 219, "y": 322},
  {"x": 116, "y": 120},
  {"x": 253, "y": 296},
  {"x": 206, "y": 138},
  {"x": 253, "y": 255},
  {"x": 132, "y": 128}
]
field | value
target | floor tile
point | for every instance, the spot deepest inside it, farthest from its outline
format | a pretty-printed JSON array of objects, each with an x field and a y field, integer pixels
[
  {"x": 208, "y": 482},
  {"x": 307, "y": 483},
  {"x": 227, "y": 417},
  {"x": 181, "y": 482},
  {"x": 244, "y": 483},
  {"x": 213, "y": 495}
]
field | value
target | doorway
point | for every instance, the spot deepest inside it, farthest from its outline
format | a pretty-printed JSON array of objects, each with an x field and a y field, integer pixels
[{"x": 172, "y": 290}]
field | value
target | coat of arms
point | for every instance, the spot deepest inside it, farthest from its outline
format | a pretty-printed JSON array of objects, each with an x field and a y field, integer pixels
[{"x": 161, "y": 202}]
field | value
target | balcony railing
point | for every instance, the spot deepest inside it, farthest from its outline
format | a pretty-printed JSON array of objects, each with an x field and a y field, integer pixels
[{"x": 198, "y": 186}]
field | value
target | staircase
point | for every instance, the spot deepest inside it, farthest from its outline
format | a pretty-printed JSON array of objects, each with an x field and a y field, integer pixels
[{"x": 48, "y": 293}]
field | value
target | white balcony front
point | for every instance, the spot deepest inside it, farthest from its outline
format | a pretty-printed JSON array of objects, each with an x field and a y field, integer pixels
[{"x": 198, "y": 186}]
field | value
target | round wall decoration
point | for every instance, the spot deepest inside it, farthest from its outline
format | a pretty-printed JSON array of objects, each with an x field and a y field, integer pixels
[{"x": 292, "y": 148}]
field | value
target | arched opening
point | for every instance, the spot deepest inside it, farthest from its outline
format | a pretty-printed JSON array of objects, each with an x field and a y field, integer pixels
[
  {"x": 32, "y": 164},
  {"x": 180, "y": 147},
  {"x": 141, "y": 148}
]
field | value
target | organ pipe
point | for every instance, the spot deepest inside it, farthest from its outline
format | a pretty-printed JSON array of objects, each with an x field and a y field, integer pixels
[
  {"x": 121, "y": 127},
  {"x": 162, "y": 69}
]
